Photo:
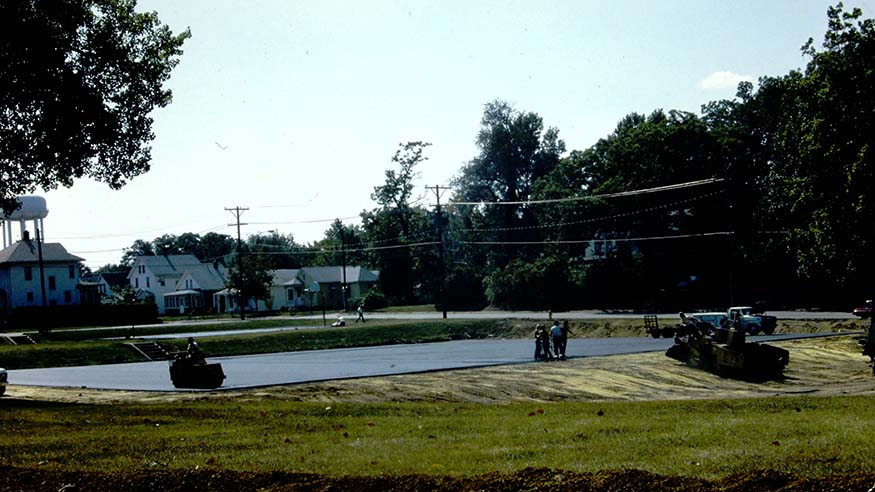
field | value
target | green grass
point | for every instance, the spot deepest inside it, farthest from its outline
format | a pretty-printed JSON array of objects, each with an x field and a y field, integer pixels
[
  {"x": 805, "y": 435},
  {"x": 75, "y": 352}
]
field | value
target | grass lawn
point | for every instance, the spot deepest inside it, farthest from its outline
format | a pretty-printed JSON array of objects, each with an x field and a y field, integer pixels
[{"x": 802, "y": 435}]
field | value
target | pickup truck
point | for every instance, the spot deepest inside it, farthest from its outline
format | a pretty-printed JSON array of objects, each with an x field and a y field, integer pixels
[{"x": 752, "y": 321}]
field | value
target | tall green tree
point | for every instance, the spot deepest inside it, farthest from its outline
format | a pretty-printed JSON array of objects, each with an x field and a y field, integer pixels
[
  {"x": 395, "y": 225},
  {"x": 78, "y": 81},
  {"x": 276, "y": 250},
  {"x": 341, "y": 244},
  {"x": 515, "y": 150},
  {"x": 812, "y": 133}
]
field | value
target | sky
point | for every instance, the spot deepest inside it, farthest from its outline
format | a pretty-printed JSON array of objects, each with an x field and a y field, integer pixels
[{"x": 294, "y": 109}]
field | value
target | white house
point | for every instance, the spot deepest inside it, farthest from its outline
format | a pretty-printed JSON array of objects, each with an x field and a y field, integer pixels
[
  {"x": 177, "y": 282},
  {"x": 309, "y": 287},
  {"x": 322, "y": 286},
  {"x": 21, "y": 280}
]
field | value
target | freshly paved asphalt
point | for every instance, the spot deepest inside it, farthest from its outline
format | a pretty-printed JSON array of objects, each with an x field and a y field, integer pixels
[{"x": 300, "y": 367}]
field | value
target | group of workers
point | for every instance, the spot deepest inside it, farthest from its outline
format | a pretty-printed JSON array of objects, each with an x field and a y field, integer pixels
[{"x": 556, "y": 338}]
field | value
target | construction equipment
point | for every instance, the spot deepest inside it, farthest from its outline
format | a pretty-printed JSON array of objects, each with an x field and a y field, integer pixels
[
  {"x": 187, "y": 372},
  {"x": 726, "y": 352}
]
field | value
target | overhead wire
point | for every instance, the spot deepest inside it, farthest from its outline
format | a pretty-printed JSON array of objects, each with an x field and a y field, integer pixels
[{"x": 678, "y": 186}]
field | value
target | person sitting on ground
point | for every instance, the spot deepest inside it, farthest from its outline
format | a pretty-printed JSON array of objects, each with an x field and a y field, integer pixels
[{"x": 340, "y": 322}]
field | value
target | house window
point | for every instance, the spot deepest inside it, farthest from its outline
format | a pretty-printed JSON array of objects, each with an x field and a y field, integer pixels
[
  {"x": 137, "y": 283},
  {"x": 72, "y": 271},
  {"x": 68, "y": 297},
  {"x": 28, "y": 273},
  {"x": 161, "y": 283},
  {"x": 30, "y": 297},
  {"x": 291, "y": 294},
  {"x": 147, "y": 283},
  {"x": 52, "y": 285}
]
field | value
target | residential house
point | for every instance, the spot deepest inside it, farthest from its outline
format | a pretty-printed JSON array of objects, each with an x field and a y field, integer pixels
[
  {"x": 21, "y": 278},
  {"x": 308, "y": 287},
  {"x": 107, "y": 286},
  {"x": 176, "y": 283},
  {"x": 322, "y": 286},
  {"x": 286, "y": 290}
]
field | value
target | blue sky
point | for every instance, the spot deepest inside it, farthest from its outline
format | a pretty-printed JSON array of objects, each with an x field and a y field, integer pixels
[{"x": 295, "y": 108}]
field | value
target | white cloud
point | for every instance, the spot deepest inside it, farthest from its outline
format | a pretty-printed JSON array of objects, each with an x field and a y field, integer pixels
[{"x": 724, "y": 80}]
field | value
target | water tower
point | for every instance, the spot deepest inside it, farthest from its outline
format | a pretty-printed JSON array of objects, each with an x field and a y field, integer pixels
[{"x": 32, "y": 208}]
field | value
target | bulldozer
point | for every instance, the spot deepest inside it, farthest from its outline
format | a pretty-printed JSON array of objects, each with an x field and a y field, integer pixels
[{"x": 725, "y": 351}]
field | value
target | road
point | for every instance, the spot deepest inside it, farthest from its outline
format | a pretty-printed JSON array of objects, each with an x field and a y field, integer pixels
[
  {"x": 308, "y": 366},
  {"x": 584, "y": 315}
]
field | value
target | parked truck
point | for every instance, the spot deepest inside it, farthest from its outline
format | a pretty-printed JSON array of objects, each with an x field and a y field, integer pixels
[{"x": 753, "y": 320}]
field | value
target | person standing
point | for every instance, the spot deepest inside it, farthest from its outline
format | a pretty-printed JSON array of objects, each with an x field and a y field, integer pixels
[
  {"x": 565, "y": 332},
  {"x": 556, "y": 335},
  {"x": 539, "y": 336},
  {"x": 542, "y": 335},
  {"x": 361, "y": 313}
]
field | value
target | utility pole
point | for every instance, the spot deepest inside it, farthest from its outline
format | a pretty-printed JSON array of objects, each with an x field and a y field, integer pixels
[
  {"x": 237, "y": 212},
  {"x": 343, "y": 286},
  {"x": 438, "y": 190},
  {"x": 42, "y": 272}
]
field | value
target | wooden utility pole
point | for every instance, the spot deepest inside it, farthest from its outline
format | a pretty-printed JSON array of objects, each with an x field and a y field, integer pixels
[
  {"x": 241, "y": 300},
  {"x": 42, "y": 269},
  {"x": 438, "y": 191},
  {"x": 343, "y": 286}
]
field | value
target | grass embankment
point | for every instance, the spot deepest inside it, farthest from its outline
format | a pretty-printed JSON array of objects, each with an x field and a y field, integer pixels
[
  {"x": 801, "y": 435},
  {"x": 72, "y": 348}
]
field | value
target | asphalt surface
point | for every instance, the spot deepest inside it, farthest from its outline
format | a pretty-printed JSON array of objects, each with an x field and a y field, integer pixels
[{"x": 309, "y": 366}]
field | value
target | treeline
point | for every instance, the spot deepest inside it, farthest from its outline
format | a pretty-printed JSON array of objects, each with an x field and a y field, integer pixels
[{"x": 764, "y": 197}]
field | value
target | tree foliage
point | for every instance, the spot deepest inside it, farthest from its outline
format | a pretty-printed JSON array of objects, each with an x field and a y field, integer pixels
[
  {"x": 406, "y": 272},
  {"x": 78, "y": 80}
]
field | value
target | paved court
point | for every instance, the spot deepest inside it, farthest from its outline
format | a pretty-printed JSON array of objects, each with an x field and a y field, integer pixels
[{"x": 308, "y": 366}]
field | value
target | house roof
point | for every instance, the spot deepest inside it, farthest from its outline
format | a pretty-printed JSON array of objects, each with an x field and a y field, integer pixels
[
  {"x": 287, "y": 276},
  {"x": 166, "y": 265},
  {"x": 21, "y": 252},
  {"x": 334, "y": 274},
  {"x": 208, "y": 276},
  {"x": 115, "y": 279}
]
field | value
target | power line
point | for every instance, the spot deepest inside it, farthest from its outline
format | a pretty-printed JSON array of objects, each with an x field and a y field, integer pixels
[
  {"x": 690, "y": 184},
  {"x": 596, "y": 219},
  {"x": 582, "y": 241}
]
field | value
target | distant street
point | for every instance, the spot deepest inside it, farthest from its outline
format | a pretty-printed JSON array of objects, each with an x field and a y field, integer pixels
[{"x": 582, "y": 315}]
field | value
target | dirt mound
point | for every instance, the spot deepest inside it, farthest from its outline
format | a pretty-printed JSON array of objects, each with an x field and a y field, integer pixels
[{"x": 527, "y": 479}]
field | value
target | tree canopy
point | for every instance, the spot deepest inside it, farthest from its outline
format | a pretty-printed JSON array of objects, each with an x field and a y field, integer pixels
[{"x": 78, "y": 81}]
